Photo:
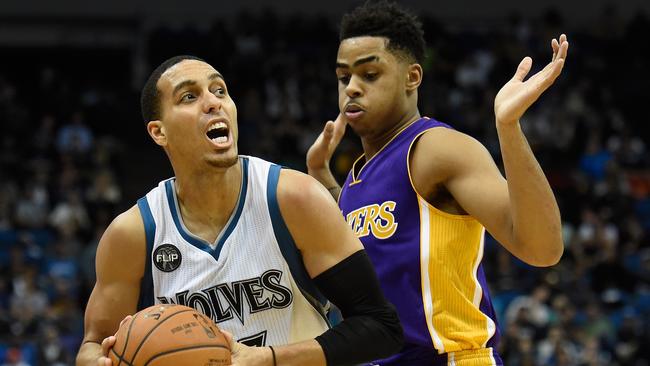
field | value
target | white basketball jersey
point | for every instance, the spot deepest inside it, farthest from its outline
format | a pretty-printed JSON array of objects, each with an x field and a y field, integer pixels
[{"x": 251, "y": 281}]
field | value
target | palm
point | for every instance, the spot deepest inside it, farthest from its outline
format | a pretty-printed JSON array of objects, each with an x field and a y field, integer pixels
[
  {"x": 518, "y": 95},
  {"x": 320, "y": 153}
]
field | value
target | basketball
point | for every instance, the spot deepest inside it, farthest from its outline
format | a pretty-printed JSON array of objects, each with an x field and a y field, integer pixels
[{"x": 169, "y": 335}]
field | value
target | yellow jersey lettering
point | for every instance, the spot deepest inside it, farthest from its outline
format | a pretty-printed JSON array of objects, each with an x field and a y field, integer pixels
[
  {"x": 381, "y": 230},
  {"x": 374, "y": 219}
]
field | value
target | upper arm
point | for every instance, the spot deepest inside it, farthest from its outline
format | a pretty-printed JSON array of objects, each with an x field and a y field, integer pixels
[
  {"x": 466, "y": 169},
  {"x": 120, "y": 267},
  {"x": 315, "y": 222}
]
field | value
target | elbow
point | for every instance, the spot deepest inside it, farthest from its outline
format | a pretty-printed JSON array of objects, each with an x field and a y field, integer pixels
[
  {"x": 395, "y": 333},
  {"x": 547, "y": 254},
  {"x": 398, "y": 339}
]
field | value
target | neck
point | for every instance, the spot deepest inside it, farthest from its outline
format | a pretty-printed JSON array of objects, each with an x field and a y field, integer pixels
[
  {"x": 372, "y": 144},
  {"x": 208, "y": 197}
]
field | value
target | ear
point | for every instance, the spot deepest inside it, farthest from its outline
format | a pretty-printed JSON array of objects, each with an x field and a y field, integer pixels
[
  {"x": 157, "y": 132},
  {"x": 413, "y": 77}
]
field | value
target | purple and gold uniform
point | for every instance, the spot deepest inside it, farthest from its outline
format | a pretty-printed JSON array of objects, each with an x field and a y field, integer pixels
[{"x": 428, "y": 261}]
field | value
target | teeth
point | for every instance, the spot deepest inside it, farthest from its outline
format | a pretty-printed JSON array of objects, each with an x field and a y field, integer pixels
[
  {"x": 217, "y": 126},
  {"x": 220, "y": 140}
]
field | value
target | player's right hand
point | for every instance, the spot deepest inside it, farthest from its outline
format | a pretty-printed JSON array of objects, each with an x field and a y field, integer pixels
[
  {"x": 321, "y": 151},
  {"x": 107, "y": 344}
]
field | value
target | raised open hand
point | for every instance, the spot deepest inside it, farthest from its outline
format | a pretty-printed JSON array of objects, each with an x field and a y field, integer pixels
[
  {"x": 321, "y": 151},
  {"x": 517, "y": 95}
]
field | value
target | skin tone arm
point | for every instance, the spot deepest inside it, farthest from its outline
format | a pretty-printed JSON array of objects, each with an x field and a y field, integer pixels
[
  {"x": 324, "y": 239},
  {"x": 120, "y": 267},
  {"x": 521, "y": 212}
]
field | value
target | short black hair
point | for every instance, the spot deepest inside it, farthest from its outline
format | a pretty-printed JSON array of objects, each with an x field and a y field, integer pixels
[
  {"x": 150, "y": 96},
  {"x": 386, "y": 19}
]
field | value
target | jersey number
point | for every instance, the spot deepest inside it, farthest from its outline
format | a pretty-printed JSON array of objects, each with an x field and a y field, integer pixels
[{"x": 256, "y": 340}]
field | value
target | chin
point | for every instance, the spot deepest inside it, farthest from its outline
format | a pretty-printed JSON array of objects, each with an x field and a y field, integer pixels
[
  {"x": 360, "y": 128},
  {"x": 224, "y": 161}
]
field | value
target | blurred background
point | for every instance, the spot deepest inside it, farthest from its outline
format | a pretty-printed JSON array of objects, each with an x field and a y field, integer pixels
[{"x": 74, "y": 152}]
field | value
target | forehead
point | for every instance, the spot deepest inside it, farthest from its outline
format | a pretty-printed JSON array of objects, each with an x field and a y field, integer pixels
[
  {"x": 185, "y": 70},
  {"x": 354, "y": 48}
]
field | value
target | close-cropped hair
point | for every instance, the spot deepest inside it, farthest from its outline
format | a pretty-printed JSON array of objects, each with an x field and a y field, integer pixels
[
  {"x": 150, "y": 96},
  {"x": 402, "y": 29}
]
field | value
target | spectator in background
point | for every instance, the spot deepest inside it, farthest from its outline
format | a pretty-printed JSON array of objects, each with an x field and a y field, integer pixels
[
  {"x": 28, "y": 304},
  {"x": 70, "y": 214},
  {"x": 75, "y": 137},
  {"x": 535, "y": 304},
  {"x": 31, "y": 208},
  {"x": 104, "y": 190},
  {"x": 14, "y": 357}
]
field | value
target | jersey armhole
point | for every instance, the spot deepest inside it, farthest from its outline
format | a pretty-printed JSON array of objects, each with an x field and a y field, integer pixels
[
  {"x": 419, "y": 196},
  {"x": 146, "y": 285},
  {"x": 289, "y": 250}
]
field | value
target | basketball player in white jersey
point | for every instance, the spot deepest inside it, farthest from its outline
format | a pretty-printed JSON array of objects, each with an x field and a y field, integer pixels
[{"x": 255, "y": 247}]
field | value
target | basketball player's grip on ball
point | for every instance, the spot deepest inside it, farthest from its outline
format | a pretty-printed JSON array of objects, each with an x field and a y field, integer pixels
[{"x": 168, "y": 335}]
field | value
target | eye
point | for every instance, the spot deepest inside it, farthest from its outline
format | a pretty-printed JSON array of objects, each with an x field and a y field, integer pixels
[
  {"x": 220, "y": 92},
  {"x": 187, "y": 97},
  {"x": 344, "y": 79},
  {"x": 371, "y": 76}
]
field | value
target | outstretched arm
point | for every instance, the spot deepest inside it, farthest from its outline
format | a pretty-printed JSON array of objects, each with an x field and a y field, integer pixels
[
  {"x": 535, "y": 213},
  {"x": 521, "y": 213}
]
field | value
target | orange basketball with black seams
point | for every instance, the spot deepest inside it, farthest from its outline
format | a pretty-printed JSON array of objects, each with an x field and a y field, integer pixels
[{"x": 170, "y": 335}]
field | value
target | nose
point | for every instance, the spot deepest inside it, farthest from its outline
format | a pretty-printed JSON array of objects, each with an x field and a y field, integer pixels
[
  {"x": 211, "y": 103},
  {"x": 353, "y": 89}
]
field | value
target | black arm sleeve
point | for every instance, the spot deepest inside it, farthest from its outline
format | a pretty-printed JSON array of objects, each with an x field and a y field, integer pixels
[{"x": 370, "y": 329}]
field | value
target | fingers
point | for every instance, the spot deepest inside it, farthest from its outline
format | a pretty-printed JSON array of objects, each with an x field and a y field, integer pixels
[
  {"x": 523, "y": 69},
  {"x": 104, "y": 361},
  {"x": 560, "y": 48},
  {"x": 126, "y": 319},
  {"x": 556, "y": 47},
  {"x": 231, "y": 341},
  {"x": 339, "y": 127},
  {"x": 328, "y": 131},
  {"x": 545, "y": 78},
  {"x": 107, "y": 343},
  {"x": 564, "y": 48}
]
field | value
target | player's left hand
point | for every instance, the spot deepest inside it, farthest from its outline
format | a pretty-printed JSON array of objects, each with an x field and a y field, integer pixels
[
  {"x": 517, "y": 95},
  {"x": 243, "y": 355}
]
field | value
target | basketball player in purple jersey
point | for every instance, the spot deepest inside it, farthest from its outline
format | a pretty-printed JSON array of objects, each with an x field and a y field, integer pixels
[{"x": 422, "y": 194}]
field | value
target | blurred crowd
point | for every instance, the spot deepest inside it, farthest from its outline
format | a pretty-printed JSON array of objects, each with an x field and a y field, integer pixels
[{"x": 68, "y": 142}]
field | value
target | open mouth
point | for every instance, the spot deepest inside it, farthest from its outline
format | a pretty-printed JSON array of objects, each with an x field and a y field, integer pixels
[{"x": 218, "y": 133}]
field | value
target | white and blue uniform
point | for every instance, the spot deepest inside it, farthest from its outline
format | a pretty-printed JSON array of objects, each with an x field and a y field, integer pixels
[{"x": 251, "y": 281}]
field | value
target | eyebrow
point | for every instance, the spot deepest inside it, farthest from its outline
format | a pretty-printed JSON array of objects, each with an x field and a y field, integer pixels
[
  {"x": 186, "y": 83},
  {"x": 216, "y": 75},
  {"x": 358, "y": 62}
]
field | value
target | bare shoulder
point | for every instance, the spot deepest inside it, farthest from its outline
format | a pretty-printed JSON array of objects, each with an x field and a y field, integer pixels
[
  {"x": 446, "y": 144},
  {"x": 123, "y": 242},
  {"x": 127, "y": 228},
  {"x": 314, "y": 221},
  {"x": 441, "y": 152},
  {"x": 299, "y": 190}
]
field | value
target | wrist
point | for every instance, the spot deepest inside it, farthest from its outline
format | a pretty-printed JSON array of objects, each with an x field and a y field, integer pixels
[
  {"x": 505, "y": 127},
  {"x": 506, "y": 123},
  {"x": 323, "y": 175},
  {"x": 320, "y": 169},
  {"x": 273, "y": 360}
]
